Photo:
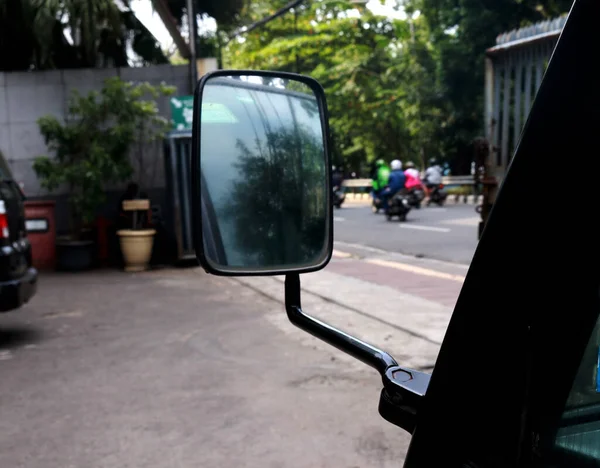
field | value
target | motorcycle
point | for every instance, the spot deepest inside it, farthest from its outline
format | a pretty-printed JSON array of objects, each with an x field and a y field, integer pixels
[
  {"x": 338, "y": 196},
  {"x": 415, "y": 195},
  {"x": 399, "y": 206},
  {"x": 437, "y": 195}
]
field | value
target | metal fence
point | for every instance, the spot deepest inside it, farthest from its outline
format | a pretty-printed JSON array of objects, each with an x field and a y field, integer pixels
[
  {"x": 178, "y": 150},
  {"x": 514, "y": 70}
]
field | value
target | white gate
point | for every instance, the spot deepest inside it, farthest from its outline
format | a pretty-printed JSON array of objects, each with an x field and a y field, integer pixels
[{"x": 514, "y": 70}]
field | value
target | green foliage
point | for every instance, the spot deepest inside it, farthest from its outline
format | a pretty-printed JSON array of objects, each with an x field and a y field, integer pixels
[
  {"x": 380, "y": 80},
  {"x": 33, "y": 35},
  {"x": 93, "y": 144},
  {"x": 409, "y": 89},
  {"x": 466, "y": 190},
  {"x": 225, "y": 12},
  {"x": 461, "y": 31},
  {"x": 47, "y": 34}
]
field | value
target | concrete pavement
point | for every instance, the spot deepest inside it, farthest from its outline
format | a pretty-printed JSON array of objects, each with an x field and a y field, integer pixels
[
  {"x": 399, "y": 303},
  {"x": 176, "y": 368}
]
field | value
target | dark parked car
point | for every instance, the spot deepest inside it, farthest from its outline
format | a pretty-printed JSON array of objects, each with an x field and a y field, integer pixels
[{"x": 18, "y": 279}]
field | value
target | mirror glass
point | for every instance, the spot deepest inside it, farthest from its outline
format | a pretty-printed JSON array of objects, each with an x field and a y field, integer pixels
[{"x": 263, "y": 175}]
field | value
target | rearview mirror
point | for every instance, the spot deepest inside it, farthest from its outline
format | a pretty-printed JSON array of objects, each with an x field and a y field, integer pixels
[{"x": 260, "y": 174}]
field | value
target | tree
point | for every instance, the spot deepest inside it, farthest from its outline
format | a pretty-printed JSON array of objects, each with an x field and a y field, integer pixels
[
  {"x": 44, "y": 34},
  {"x": 92, "y": 146},
  {"x": 225, "y": 12},
  {"x": 461, "y": 31},
  {"x": 380, "y": 76}
]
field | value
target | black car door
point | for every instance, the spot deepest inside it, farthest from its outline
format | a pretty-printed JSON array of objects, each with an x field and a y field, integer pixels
[{"x": 513, "y": 385}]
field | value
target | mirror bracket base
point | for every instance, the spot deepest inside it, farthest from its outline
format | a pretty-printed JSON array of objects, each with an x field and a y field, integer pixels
[{"x": 402, "y": 395}]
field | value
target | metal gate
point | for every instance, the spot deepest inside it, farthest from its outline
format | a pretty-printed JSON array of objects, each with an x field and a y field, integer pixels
[
  {"x": 514, "y": 70},
  {"x": 178, "y": 153}
]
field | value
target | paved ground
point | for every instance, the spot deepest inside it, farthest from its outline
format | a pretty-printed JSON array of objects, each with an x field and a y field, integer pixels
[
  {"x": 175, "y": 368},
  {"x": 448, "y": 233}
]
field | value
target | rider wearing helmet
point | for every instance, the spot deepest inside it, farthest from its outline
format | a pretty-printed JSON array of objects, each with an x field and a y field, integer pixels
[
  {"x": 413, "y": 179},
  {"x": 396, "y": 182},
  {"x": 337, "y": 176},
  {"x": 433, "y": 174},
  {"x": 380, "y": 175},
  {"x": 397, "y": 178}
]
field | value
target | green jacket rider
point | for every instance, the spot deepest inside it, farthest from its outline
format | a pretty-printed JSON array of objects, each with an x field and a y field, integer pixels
[{"x": 381, "y": 175}]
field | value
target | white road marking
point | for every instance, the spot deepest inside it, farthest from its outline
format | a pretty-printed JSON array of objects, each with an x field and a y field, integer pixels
[
  {"x": 415, "y": 269},
  {"x": 440, "y": 210},
  {"x": 338, "y": 218},
  {"x": 339, "y": 254},
  {"x": 404, "y": 266},
  {"x": 375, "y": 250},
  {"x": 473, "y": 221},
  {"x": 424, "y": 228}
]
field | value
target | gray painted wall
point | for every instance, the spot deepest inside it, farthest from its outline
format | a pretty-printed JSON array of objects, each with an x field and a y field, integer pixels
[{"x": 26, "y": 96}]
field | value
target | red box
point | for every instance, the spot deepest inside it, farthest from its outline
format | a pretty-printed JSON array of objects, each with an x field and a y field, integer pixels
[{"x": 41, "y": 232}]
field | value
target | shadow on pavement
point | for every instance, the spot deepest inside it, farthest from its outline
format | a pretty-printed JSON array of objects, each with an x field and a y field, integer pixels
[{"x": 12, "y": 337}]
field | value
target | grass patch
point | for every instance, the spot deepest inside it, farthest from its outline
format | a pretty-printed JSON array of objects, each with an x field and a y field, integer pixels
[{"x": 464, "y": 190}]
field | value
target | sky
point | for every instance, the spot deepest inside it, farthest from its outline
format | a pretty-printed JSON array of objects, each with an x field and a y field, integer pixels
[{"x": 144, "y": 12}]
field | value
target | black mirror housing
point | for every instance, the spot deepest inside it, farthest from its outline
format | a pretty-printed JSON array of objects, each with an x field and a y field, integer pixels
[{"x": 261, "y": 174}]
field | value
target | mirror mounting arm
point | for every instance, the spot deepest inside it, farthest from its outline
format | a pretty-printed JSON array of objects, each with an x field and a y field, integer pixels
[
  {"x": 371, "y": 356},
  {"x": 403, "y": 389}
]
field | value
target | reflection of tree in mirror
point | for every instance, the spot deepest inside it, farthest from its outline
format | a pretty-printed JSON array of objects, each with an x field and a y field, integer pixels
[
  {"x": 279, "y": 207},
  {"x": 311, "y": 108},
  {"x": 298, "y": 86}
]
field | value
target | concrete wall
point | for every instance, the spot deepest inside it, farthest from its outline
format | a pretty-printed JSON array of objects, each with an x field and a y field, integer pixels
[{"x": 26, "y": 96}]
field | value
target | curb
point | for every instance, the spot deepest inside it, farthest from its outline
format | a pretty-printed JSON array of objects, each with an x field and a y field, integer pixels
[{"x": 451, "y": 200}]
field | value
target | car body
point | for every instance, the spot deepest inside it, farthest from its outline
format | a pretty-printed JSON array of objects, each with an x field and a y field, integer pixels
[{"x": 18, "y": 278}]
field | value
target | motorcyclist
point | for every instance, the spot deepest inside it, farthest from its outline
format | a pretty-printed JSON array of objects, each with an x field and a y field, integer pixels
[
  {"x": 337, "y": 180},
  {"x": 433, "y": 174},
  {"x": 337, "y": 177},
  {"x": 413, "y": 178},
  {"x": 396, "y": 182},
  {"x": 379, "y": 175}
]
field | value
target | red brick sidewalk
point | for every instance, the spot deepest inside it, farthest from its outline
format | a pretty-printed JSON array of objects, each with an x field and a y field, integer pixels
[{"x": 441, "y": 290}]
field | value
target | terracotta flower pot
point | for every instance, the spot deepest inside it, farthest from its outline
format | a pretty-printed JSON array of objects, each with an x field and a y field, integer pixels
[{"x": 136, "y": 246}]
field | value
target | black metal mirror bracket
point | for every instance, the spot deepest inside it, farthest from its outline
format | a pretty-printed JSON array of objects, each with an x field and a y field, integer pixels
[{"x": 403, "y": 389}]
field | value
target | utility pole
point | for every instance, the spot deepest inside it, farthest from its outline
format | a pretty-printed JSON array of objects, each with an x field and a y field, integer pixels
[{"x": 191, "y": 13}]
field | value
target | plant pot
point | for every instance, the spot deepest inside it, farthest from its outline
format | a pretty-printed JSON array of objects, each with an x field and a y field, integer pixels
[
  {"x": 136, "y": 245},
  {"x": 74, "y": 255}
]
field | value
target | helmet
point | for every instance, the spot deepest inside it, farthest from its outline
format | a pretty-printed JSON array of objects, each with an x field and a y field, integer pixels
[
  {"x": 333, "y": 168},
  {"x": 432, "y": 162},
  {"x": 409, "y": 165},
  {"x": 396, "y": 165},
  {"x": 379, "y": 162}
]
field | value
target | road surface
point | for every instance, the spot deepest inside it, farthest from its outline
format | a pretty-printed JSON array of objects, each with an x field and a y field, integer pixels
[
  {"x": 448, "y": 233},
  {"x": 175, "y": 368}
]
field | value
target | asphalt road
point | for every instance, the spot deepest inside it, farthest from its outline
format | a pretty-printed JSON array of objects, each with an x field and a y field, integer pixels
[{"x": 448, "y": 233}]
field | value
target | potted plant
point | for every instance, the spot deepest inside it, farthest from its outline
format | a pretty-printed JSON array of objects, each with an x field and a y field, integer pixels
[
  {"x": 148, "y": 129},
  {"x": 91, "y": 149}
]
